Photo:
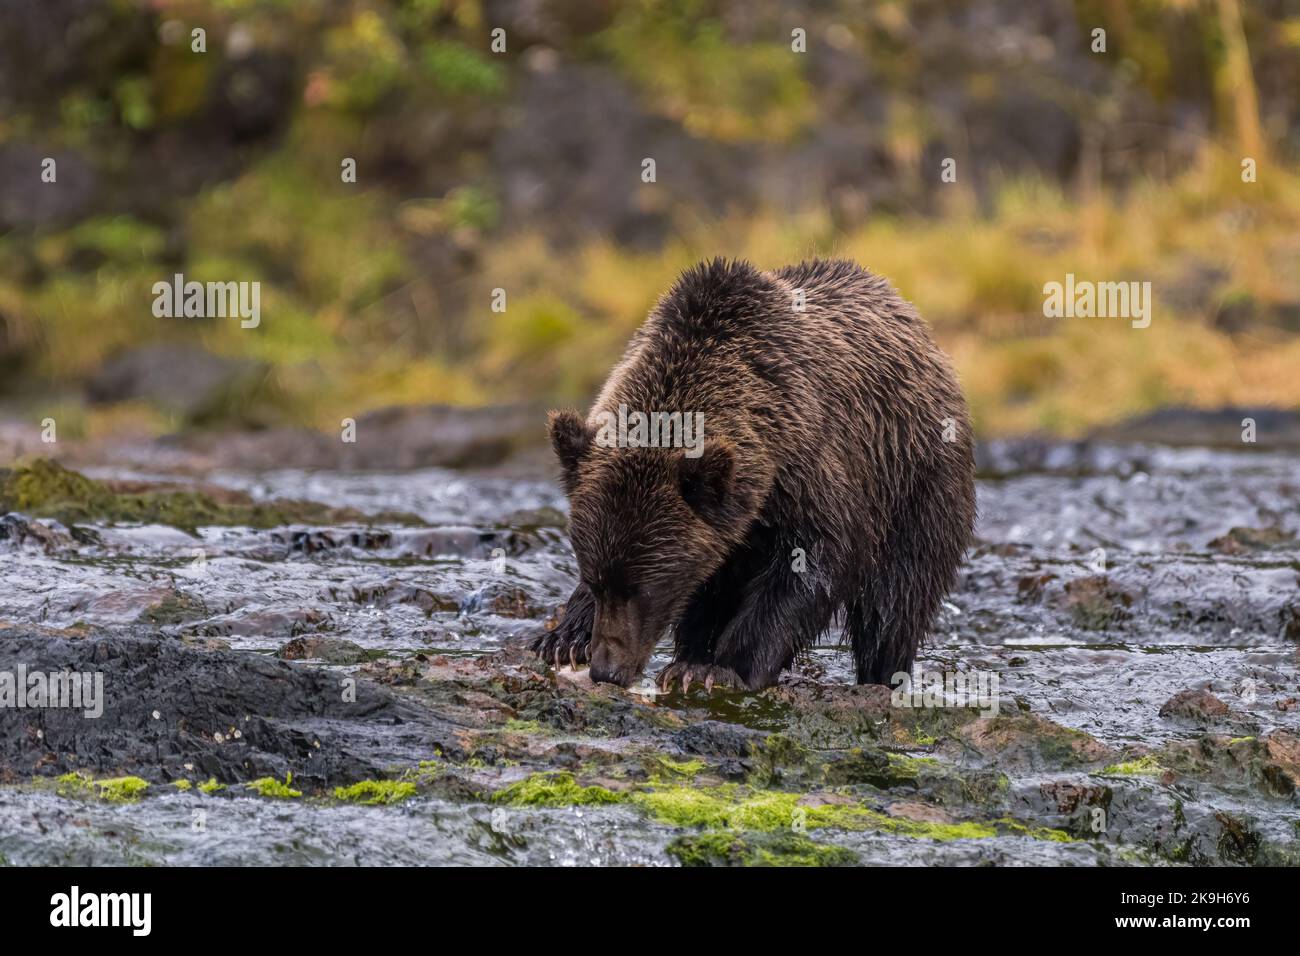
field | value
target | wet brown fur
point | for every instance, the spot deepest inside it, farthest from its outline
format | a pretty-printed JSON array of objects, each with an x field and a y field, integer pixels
[{"x": 824, "y": 431}]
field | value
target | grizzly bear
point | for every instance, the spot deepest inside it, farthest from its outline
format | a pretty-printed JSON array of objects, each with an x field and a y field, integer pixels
[{"x": 834, "y": 481}]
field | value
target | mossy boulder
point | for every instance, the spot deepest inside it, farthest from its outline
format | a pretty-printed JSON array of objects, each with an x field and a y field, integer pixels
[{"x": 45, "y": 489}]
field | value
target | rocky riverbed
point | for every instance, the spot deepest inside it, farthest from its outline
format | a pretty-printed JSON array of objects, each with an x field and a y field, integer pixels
[{"x": 324, "y": 667}]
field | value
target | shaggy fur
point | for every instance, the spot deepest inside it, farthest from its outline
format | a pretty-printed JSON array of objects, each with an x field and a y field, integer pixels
[{"x": 824, "y": 435}]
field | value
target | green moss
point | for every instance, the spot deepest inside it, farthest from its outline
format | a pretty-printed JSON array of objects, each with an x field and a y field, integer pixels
[
  {"x": 667, "y": 767},
  {"x": 270, "y": 787},
  {"x": 906, "y": 767},
  {"x": 455, "y": 68},
  {"x": 516, "y": 726},
  {"x": 923, "y": 830},
  {"x": 211, "y": 786},
  {"x": 783, "y": 848},
  {"x": 371, "y": 792},
  {"x": 113, "y": 789},
  {"x": 1038, "y": 833},
  {"x": 75, "y": 784},
  {"x": 719, "y": 808},
  {"x": 776, "y": 758},
  {"x": 732, "y": 807},
  {"x": 121, "y": 789},
  {"x": 37, "y": 484},
  {"x": 1144, "y": 767},
  {"x": 424, "y": 772},
  {"x": 182, "y": 785},
  {"x": 45, "y": 489},
  {"x": 554, "y": 790}
]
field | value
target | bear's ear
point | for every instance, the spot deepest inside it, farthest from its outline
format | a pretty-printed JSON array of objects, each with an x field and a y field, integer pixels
[
  {"x": 706, "y": 481},
  {"x": 571, "y": 439}
]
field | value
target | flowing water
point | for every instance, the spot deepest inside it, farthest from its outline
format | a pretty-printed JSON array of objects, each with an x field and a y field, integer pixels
[{"x": 1104, "y": 580}]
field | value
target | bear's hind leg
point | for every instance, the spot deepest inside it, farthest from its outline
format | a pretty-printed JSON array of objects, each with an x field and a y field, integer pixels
[
  {"x": 781, "y": 615},
  {"x": 914, "y": 572}
]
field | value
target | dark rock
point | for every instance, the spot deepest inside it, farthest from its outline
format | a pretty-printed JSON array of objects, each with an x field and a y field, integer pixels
[
  {"x": 330, "y": 650},
  {"x": 229, "y": 715},
  {"x": 17, "y": 529},
  {"x": 1247, "y": 540},
  {"x": 1197, "y": 704},
  {"x": 184, "y": 378},
  {"x": 26, "y": 201},
  {"x": 1217, "y": 428}
]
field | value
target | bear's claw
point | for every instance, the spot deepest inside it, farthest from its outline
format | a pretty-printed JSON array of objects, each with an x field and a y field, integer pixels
[
  {"x": 558, "y": 649},
  {"x": 688, "y": 672}
]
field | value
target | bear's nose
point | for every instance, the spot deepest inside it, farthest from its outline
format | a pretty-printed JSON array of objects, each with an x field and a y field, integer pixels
[
  {"x": 602, "y": 675},
  {"x": 606, "y": 669}
]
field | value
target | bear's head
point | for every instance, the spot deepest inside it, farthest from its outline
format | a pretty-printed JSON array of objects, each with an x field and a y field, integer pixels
[{"x": 649, "y": 527}]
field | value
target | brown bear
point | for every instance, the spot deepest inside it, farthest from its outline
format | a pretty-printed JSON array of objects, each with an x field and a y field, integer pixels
[{"x": 835, "y": 480}]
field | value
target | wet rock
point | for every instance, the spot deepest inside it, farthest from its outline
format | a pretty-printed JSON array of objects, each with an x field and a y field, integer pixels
[
  {"x": 505, "y": 600},
  {"x": 1005, "y": 458},
  {"x": 1282, "y": 749},
  {"x": 176, "y": 607},
  {"x": 920, "y": 812},
  {"x": 1270, "y": 764},
  {"x": 1290, "y": 615},
  {"x": 126, "y": 605},
  {"x": 330, "y": 650},
  {"x": 1096, "y": 603},
  {"x": 1031, "y": 742},
  {"x": 1194, "y": 704},
  {"x": 171, "y": 711},
  {"x": 717, "y": 739},
  {"x": 1069, "y": 797},
  {"x": 21, "y": 531},
  {"x": 1250, "y": 540},
  {"x": 390, "y": 593},
  {"x": 257, "y": 620}
]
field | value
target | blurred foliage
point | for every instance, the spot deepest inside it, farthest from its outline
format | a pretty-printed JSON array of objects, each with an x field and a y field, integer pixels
[
  {"x": 690, "y": 71},
  {"x": 380, "y": 292}
]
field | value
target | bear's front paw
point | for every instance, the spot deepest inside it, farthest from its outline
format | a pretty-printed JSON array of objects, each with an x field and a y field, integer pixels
[
  {"x": 687, "y": 673},
  {"x": 560, "y": 647}
]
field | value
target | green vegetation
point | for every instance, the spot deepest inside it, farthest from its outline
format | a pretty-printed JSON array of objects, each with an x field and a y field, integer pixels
[
  {"x": 270, "y": 787},
  {"x": 110, "y": 789},
  {"x": 383, "y": 287},
  {"x": 372, "y": 792},
  {"x": 785, "y": 848},
  {"x": 746, "y": 809},
  {"x": 1146, "y": 766},
  {"x": 554, "y": 790},
  {"x": 45, "y": 489}
]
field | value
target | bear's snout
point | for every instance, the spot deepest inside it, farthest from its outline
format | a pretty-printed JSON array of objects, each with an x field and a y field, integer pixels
[{"x": 617, "y": 639}]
